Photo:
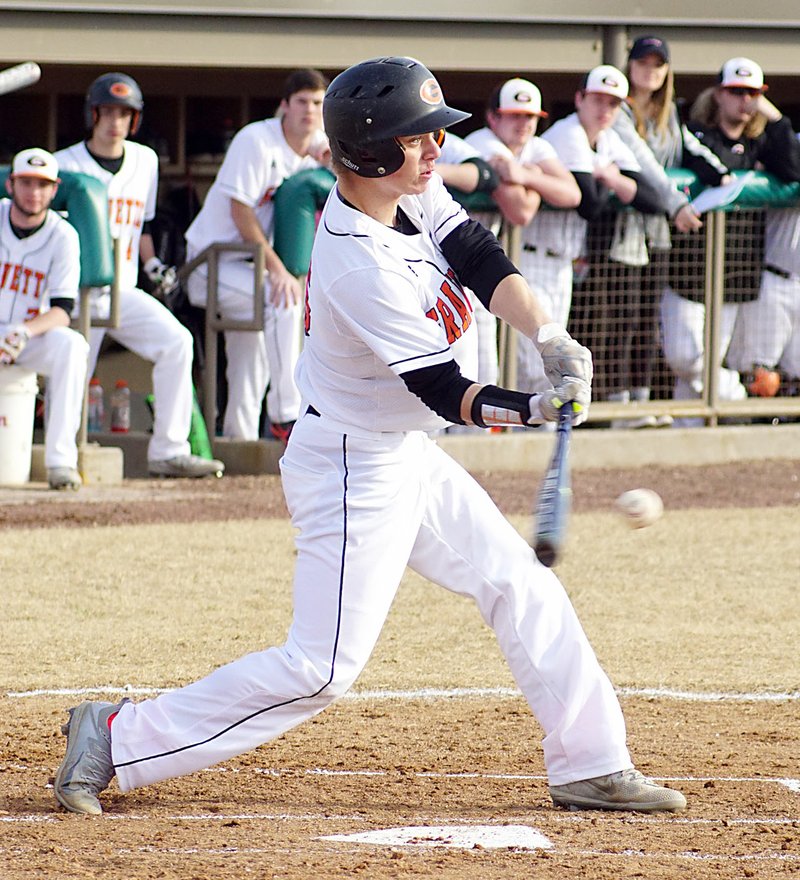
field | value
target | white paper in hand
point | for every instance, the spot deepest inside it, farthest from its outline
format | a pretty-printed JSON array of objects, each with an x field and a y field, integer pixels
[{"x": 719, "y": 196}]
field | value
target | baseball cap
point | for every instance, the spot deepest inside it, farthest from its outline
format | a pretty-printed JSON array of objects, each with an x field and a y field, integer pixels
[
  {"x": 607, "y": 80},
  {"x": 35, "y": 162},
  {"x": 643, "y": 46},
  {"x": 742, "y": 73},
  {"x": 518, "y": 96}
]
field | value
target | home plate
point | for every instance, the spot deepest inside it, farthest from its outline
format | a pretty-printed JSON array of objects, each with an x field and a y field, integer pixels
[{"x": 519, "y": 837}]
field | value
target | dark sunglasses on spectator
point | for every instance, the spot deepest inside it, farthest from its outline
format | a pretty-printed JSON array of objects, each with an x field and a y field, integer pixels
[{"x": 741, "y": 90}]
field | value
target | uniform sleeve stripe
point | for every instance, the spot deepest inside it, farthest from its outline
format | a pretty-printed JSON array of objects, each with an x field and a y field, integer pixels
[{"x": 419, "y": 357}]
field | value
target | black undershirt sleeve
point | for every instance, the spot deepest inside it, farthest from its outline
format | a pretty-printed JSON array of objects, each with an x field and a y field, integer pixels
[
  {"x": 488, "y": 178},
  {"x": 477, "y": 258},
  {"x": 594, "y": 195},
  {"x": 441, "y": 388},
  {"x": 647, "y": 199},
  {"x": 66, "y": 305}
]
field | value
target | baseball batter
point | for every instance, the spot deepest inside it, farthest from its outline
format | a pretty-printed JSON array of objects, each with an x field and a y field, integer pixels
[
  {"x": 239, "y": 208},
  {"x": 130, "y": 171},
  {"x": 39, "y": 278},
  {"x": 369, "y": 492}
]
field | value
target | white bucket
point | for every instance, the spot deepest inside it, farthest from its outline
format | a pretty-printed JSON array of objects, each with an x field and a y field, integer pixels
[{"x": 18, "y": 388}]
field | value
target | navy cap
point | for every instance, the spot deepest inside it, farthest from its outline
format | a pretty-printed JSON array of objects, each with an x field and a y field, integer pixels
[{"x": 643, "y": 46}]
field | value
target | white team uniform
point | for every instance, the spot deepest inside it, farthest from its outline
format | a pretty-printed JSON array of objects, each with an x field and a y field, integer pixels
[
  {"x": 369, "y": 492},
  {"x": 767, "y": 330},
  {"x": 147, "y": 328},
  {"x": 257, "y": 162},
  {"x": 33, "y": 271}
]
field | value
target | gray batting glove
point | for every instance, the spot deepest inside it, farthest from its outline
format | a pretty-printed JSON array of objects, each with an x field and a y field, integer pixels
[
  {"x": 11, "y": 346},
  {"x": 562, "y": 356},
  {"x": 574, "y": 393}
]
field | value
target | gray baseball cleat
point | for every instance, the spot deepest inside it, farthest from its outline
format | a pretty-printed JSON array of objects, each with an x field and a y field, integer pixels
[
  {"x": 186, "y": 466},
  {"x": 626, "y": 790},
  {"x": 64, "y": 478},
  {"x": 87, "y": 767}
]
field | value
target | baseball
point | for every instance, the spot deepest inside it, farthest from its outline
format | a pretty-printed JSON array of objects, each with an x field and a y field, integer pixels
[{"x": 640, "y": 507}]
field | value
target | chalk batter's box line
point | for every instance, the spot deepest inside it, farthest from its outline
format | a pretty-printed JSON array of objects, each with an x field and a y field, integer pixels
[{"x": 447, "y": 693}]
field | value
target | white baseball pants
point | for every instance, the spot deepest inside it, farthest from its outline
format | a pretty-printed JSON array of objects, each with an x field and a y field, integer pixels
[
  {"x": 768, "y": 329},
  {"x": 256, "y": 359},
  {"x": 550, "y": 278},
  {"x": 149, "y": 329},
  {"x": 365, "y": 506},
  {"x": 682, "y": 329},
  {"x": 62, "y": 356}
]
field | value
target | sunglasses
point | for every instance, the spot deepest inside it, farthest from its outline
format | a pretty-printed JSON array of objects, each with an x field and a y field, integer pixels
[{"x": 742, "y": 90}]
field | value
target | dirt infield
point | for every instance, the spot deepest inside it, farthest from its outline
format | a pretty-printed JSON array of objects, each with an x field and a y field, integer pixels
[{"x": 150, "y": 585}]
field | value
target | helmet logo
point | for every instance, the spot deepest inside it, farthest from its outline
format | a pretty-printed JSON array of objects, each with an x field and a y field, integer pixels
[
  {"x": 430, "y": 92},
  {"x": 120, "y": 90},
  {"x": 36, "y": 161}
]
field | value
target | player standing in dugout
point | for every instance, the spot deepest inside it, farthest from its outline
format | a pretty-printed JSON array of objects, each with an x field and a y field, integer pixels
[
  {"x": 112, "y": 111},
  {"x": 369, "y": 492}
]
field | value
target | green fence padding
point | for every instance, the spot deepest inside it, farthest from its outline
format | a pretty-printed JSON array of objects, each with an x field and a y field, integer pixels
[
  {"x": 685, "y": 181},
  {"x": 85, "y": 200},
  {"x": 475, "y": 201},
  {"x": 764, "y": 190},
  {"x": 297, "y": 201},
  {"x": 300, "y": 197}
]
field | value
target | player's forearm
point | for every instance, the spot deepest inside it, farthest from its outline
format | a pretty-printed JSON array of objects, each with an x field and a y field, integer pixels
[
  {"x": 464, "y": 177},
  {"x": 147, "y": 249},
  {"x": 517, "y": 204},
  {"x": 514, "y": 302},
  {"x": 558, "y": 191},
  {"x": 250, "y": 230},
  {"x": 55, "y": 317}
]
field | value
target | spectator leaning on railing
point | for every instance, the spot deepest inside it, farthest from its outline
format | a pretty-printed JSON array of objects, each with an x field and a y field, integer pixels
[
  {"x": 736, "y": 121},
  {"x": 531, "y": 173},
  {"x": 650, "y": 127},
  {"x": 602, "y": 165}
]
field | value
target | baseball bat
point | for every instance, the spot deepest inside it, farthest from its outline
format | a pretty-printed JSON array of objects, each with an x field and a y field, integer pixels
[
  {"x": 19, "y": 76},
  {"x": 553, "y": 501}
]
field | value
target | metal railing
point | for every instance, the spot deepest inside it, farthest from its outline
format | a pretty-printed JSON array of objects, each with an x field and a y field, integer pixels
[{"x": 214, "y": 322}]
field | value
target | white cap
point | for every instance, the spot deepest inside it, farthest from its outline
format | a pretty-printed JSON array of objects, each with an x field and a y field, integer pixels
[
  {"x": 607, "y": 80},
  {"x": 35, "y": 162},
  {"x": 518, "y": 96},
  {"x": 742, "y": 73}
]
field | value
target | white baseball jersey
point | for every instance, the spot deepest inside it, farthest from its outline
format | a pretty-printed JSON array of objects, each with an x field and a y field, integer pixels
[
  {"x": 566, "y": 230},
  {"x": 132, "y": 195},
  {"x": 362, "y": 335},
  {"x": 456, "y": 150},
  {"x": 546, "y": 232},
  {"x": 257, "y": 162},
  {"x": 36, "y": 269}
]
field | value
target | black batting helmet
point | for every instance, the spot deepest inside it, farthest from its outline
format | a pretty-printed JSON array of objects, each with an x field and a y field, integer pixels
[
  {"x": 114, "y": 88},
  {"x": 370, "y": 105}
]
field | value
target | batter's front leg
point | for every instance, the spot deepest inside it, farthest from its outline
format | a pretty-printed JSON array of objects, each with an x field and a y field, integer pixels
[{"x": 466, "y": 545}]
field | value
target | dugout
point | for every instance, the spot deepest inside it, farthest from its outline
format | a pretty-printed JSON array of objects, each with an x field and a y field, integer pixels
[{"x": 207, "y": 69}]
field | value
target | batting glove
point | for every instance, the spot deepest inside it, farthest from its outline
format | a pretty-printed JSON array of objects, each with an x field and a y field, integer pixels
[
  {"x": 562, "y": 356},
  {"x": 574, "y": 393},
  {"x": 11, "y": 346},
  {"x": 163, "y": 278}
]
